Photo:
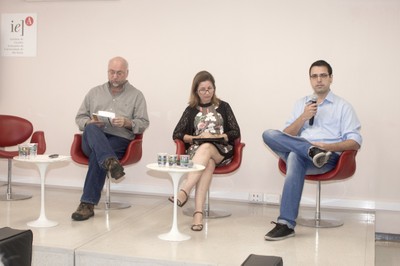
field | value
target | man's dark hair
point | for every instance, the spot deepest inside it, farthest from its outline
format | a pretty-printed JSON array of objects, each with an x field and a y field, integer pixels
[{"x": 321, "y": 63}]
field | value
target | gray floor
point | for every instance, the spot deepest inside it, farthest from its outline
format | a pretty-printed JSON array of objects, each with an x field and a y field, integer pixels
[
  {"x": 130, "y": 236},
  {"x": 387, "y": 253}
]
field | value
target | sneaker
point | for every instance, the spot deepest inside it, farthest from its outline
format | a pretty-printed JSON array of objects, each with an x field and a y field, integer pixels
[
  {"x": 114, "y": 167},
  {"x": 320, "y": 157},
  {"x": 84, "y": 212},
  {"x": 281, "y": 231}
]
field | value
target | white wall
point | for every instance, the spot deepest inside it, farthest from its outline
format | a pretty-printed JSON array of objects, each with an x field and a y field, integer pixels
[{"x": 259, "y": 52}]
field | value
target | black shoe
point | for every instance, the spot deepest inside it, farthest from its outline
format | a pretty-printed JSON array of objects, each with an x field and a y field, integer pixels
[
  {"x": 84, "y": 212},
  {"x": 114, "y": 167},
  {"x": 320, "y": 157},
  {"x": 281, "y": 231}
]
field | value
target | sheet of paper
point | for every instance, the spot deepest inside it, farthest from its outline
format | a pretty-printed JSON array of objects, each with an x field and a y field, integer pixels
[{"x": 104, "y": 116}]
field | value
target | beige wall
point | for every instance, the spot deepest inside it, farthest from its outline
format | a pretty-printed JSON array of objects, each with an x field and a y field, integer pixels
[{"x": 259, "y": 52}]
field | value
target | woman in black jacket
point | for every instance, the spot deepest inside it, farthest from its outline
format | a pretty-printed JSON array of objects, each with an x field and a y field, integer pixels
[{"x": 212, "y": 121}]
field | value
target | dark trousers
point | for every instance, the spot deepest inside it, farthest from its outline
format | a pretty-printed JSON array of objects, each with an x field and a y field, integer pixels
[{"x": 99, "y": 146}]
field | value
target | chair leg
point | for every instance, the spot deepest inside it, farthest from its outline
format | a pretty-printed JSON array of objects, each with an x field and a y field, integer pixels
[
  {"x": 317, "y": 221},
  {"x": 9, "y": 196},
  {"x": 107, "y": 204},
  {"x": 208, "y": 213}
]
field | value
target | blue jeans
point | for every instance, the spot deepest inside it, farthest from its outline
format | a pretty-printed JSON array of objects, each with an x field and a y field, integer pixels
[
  {"x": 99, "y": 146},
  {"x": 294, "y": 151}
]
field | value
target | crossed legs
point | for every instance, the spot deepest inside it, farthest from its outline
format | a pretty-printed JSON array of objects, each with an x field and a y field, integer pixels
[
  {"x": 208, "y": 156},
  {"x": 295, "y": 152}
]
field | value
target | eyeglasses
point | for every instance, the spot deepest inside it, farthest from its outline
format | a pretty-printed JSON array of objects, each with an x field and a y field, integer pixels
[
  {"x": 203, "y": 91},
  {"x": 322, "y": 76},
  {"x": 118, "y": 73}
]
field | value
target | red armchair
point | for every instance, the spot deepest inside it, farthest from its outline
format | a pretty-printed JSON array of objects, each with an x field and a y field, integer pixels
[
  {"x": 226, "y": 169},
  {"x": 132, "y": 155},
  {"x": 15, "y": 130},
  {"x": 344, "y": 169}
]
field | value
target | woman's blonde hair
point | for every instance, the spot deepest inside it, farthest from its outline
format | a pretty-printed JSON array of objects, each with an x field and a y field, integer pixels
[{"x": 194, "y": 99}]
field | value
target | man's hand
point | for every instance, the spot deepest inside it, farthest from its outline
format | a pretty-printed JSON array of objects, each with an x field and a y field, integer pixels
[
  {"x": 310, "y": 110},
  {"x": 96, "y": 122},
  {"x": 348, "y": 144},
  {"x": 321, "y": 145},
  {"x": 121, "y": 122}
]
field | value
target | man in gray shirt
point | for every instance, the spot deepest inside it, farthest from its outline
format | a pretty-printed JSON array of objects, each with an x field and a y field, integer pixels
[{"x": 105, "y": 143}]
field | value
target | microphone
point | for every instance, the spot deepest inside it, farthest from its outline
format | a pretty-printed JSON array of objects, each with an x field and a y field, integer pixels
[{"x": 313, "y": 100}]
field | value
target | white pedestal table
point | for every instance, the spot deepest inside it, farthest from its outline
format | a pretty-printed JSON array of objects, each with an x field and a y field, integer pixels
[
  {"x": 176, "y": 174},
  {"x": 42, "y": 162}
]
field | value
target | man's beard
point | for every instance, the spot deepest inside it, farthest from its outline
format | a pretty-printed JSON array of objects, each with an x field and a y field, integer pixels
[{"x": 117, "y": 84}]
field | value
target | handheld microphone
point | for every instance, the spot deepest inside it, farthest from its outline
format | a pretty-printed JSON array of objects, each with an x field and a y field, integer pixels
[{"x": 313, "y": 100}]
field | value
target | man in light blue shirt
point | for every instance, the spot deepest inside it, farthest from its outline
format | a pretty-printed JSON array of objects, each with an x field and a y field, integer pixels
[{"x": 319, "y": 129}]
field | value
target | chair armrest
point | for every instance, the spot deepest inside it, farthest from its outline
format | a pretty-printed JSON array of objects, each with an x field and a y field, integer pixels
[
  {"x": 180, "y": 146},
  {"x": 38, "y": 137},
  {"x": 345, "y": 167},
  {"x": 134, "y": 151},
  {"x": 236, "y": 160},
  {"x": 132, "y": 155},
  {"x": 76, "y": 152},
  {"x": 232, "y": 166}
]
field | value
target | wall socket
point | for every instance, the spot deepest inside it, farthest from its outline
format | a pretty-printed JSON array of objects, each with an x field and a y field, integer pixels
[
  {"x": 260, "y": 197},
  {"x": 272, "y": 198},
  {"x": 256, "y": 197}
]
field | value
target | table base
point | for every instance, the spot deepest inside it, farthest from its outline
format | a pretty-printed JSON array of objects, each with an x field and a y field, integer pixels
[
  {"x": 174, "y": 236},
  {"x": 42, "y": 223},
  {"x": 176, "y": 174}
]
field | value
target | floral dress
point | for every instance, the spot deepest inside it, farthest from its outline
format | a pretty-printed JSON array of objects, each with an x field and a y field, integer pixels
[
  {"x": 209, "y": 120},
  {"x": 218, "y": 119}
]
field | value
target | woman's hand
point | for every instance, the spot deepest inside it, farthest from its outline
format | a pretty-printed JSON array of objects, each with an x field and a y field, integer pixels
[
  {"x": 205, "y": 135},
  {"x": 210, "y": 135}
]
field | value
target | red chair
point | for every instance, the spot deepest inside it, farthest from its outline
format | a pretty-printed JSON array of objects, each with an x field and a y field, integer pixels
[
  {"x": 132, "y": 155},
  {"x": 15, "y": 130},
  {"x": 344, "y": 169},
  {"x": 226, "y": 169}
]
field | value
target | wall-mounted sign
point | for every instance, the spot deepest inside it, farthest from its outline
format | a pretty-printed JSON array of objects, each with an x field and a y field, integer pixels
[{"x": 18, "y": 34}]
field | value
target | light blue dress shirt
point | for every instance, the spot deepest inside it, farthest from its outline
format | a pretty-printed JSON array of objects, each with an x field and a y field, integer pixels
[{"x": 334, "y": 122}]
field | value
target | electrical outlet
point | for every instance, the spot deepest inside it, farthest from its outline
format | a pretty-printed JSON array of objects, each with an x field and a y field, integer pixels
[
  {"x": 272, "y": 198},
  {"x": 256, "y": 197}
]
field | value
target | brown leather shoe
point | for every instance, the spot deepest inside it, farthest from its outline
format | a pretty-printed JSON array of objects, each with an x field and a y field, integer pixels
[
  {"x": 84, "y": 212},
  {"x": 114, "y": 167}
]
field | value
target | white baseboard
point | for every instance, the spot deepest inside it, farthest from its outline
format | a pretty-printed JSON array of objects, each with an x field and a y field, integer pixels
[{"x": 361, "y": 204}]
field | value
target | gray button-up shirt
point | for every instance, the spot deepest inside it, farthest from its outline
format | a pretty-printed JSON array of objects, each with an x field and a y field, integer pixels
[{"x": 130, "y": 103}]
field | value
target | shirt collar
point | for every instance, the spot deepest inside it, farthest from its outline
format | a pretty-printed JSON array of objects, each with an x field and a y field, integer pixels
[{"x": 330, "y": 97}]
